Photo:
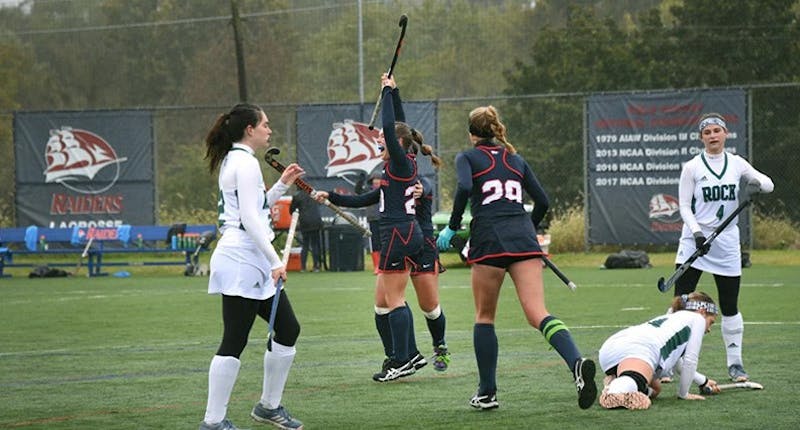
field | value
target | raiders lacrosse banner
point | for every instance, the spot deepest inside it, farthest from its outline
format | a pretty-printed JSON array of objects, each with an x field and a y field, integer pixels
[
  {"x": 637, "y": 144},
  {"x": 335, "y": 146},
  {"x": 90, "y": 169}
]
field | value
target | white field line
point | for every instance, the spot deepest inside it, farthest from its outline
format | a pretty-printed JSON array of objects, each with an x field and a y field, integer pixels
[{"x": 258, "y": 341}]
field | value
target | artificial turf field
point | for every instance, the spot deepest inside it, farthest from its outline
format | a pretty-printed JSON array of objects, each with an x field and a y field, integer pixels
[{"x": 133, "y": 353}]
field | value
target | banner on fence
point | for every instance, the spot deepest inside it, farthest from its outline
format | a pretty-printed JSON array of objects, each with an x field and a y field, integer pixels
[
  {"x": 335, "y": 146},
  {"x": 637, "y": 144},
  {"x": 84, "y": 168}
]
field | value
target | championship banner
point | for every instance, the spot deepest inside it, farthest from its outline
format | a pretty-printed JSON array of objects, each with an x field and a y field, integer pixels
[
  {"x": 637, "y": 145},
  {"x": 336, "y": 148},
  {"x": 84, "y": 168}
]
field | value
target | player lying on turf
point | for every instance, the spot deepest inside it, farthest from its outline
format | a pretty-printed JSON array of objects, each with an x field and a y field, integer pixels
[{"x": 634, "y": 358}]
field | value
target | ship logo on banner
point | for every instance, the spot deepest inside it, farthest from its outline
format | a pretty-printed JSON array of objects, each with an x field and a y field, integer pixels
[
  {"x": 353, "y": 148},
  {"x": 665, "y": 213},
  {"x": 75, "y": 157}
]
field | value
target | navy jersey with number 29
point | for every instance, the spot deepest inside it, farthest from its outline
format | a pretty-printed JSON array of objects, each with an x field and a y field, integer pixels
[{"x": 495, "y": 182}]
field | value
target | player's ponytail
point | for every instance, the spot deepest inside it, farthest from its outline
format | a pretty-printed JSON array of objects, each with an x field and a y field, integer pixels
[
  {"x": 228, "y": 129},
  {"x": 484, "y": 122},
  {"x": 428, "y": 150}
]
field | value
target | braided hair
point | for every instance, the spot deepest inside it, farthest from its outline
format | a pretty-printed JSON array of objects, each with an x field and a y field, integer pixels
[
  {"x": 412, "y": 141},
  {"x": 484, "y": 122}
]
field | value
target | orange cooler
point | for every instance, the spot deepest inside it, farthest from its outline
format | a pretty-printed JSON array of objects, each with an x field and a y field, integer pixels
[{"x": 281, "y": 217}]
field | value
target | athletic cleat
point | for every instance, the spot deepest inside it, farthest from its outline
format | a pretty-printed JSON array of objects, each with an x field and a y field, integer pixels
[
  {"x": 584, "y": 382},
  {"x": 737, "y": 373},
  {"x": 279, "y": 417},
  {"x": 441, "y": 358},
  {"x": 633, "y": 401},
  {"x": 418, "y": 361},
  {"x": 384, "y": 366},
  {"x": 392, "y": 370},
  {"x": 484, "y": 402},
  {"x": 225, "y": 424}
]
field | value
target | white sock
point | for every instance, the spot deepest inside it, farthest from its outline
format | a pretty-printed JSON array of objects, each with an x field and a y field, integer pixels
[
  {"x": 732, "y": 333},
  {"x": 276, "y": 370},
  {"x": 221, "y": 376},
  {"x": 622, "y": 384}
]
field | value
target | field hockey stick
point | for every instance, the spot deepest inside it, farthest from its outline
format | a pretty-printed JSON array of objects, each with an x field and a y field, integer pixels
[
  {"x": 741, "y": 385},
  {"x": 287, "y": 249},
  {"x": 571, "y": 285},
  {"x": 305, "y": 186},
  {"x": 403, "y": 24},
  {"x": 83, "y": 255},
  {"x": 663, "y": 286},
  {"x": 459, "y": 243}
]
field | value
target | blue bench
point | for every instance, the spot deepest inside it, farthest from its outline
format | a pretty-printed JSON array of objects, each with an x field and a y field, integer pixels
[{"x": 94, "y": 243}]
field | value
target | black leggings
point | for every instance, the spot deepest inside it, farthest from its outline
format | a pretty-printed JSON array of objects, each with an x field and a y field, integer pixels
[
  {"x": 727, "y": 289},
  {"x": 239, "y": 313}
]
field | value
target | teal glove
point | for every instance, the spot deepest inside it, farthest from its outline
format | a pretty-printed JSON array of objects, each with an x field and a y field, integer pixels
[{"x": 443, "y": 242}]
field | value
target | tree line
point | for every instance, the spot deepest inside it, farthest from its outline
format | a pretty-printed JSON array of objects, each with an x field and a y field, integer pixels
[{"x": 165, "y": 54}]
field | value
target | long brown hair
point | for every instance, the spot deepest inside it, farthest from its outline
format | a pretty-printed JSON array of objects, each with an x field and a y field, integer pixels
[
  {"x": 228, "y": 129},
  {"x": 484, "y": 122}
]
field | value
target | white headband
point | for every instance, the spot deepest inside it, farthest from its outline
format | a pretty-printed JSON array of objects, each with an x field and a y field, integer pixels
[
  {"x": 693, "y": 305},
  {"x": 712, "y": 120}
]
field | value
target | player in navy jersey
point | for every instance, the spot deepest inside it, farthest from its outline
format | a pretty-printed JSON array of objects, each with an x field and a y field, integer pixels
[
  {"x": 401, "y": 236},
  {"x": 503, "y": 239},
  {"x": 425, "y": 277}
]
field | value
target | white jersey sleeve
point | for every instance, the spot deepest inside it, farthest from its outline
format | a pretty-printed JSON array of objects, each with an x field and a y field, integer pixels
[
  {"x": 749, "y": 172},
  {"x": 686, "y": 195},
  {"x": 691, "y": 355}
]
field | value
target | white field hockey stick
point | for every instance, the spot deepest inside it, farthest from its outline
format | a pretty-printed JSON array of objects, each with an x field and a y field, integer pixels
[
  {"x": 743, "y": 385},
  {"x": 287, "y": 249},
  {"x": 83, "y": 255}
]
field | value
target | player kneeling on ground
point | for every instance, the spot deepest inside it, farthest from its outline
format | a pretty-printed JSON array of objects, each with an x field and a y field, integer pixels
[{"x": 633, "y": 359}]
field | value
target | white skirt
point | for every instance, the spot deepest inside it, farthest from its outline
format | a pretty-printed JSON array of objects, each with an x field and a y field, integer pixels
[
  {"x": 240, "y": 271},
  {"x": 724, "y": 258}
]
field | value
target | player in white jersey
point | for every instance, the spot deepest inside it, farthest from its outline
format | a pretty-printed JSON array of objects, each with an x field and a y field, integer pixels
[
  {"x": 708, "y": 193},
  {"x": 634, "y": 358},
  {"x": 245, "y": 267}
]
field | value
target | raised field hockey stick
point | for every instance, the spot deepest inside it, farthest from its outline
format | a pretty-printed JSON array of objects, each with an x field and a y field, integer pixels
[
  {"x": 83, "y": 255},
  {"x": 663, "y": 286},
  {"x": 305, "y": 186},
  {"x": 403, "y": 24},
  {"x": 287, "y": 249}
]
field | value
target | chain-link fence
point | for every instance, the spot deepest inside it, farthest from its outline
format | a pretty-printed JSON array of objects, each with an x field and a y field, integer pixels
[{"x": 546, "y": 129}]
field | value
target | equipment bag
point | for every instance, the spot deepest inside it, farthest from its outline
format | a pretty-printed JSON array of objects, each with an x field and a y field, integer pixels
[
  {"x": 628, "y": 259},
  {"x": 47, "y": 272}
]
